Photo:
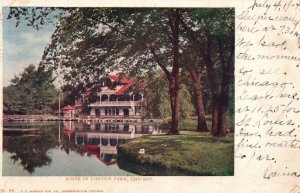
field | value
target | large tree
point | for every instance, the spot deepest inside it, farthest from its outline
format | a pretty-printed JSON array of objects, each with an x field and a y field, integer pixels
[
  {"x": 156, "y": 103},
  {"x": 194, "y": 75},
  {"x": 214, "y": 38},
  {"x": 32, "y": 92}
]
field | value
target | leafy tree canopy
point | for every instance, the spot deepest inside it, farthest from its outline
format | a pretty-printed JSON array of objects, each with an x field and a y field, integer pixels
[
  {"x": 156, "y": 103},
  {"x": 91, "y": 42},
  {"x": 32, "y": 92}
]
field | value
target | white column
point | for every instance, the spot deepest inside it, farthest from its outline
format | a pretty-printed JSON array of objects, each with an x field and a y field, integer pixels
[
  {"x": 121, "y": 111},
  {"x": 131, "y": 111},
  {"x": 102, "y": 111},
  {"x": 59, "y": 141},
  {"x": 93, "y": 112}
]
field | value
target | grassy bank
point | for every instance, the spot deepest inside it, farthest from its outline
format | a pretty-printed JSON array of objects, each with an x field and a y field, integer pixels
[
  {"x": 190, "y": 124},
  {"x": 190, "y": 153}
]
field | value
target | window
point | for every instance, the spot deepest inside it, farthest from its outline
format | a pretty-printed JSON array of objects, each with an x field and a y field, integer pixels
[{"x": 98, "y": 127}]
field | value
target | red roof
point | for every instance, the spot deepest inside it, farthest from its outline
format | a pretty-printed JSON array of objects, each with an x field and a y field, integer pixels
[
  {"x": 68, "y": 132},
  {"x": 127, "y": 83},
  {"x": 124, "y": 88},
  {"x": 69, "y": 107},
  {"x": 93, "y": 147},
  {"x": 90, "y": 149},
  {"x": 124, "y": 78},
  {"x": 95, "y": 150}
]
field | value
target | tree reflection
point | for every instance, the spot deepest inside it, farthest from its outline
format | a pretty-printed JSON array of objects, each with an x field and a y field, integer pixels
[
  {"x": 31, "y": 151},
  {"x": 67, "y": 140},
  {"x": 68, "y": 144}
]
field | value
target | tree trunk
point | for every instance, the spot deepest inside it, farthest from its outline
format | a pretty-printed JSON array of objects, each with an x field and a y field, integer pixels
[
  {"x": 222, "y": 129},
  {"x": 173, "y": 17},
  {"x": 215, "y": 113},
  {"x": 214, "y": 92},
  {"x": 174, "y": 101},
  {"x": 201, "y": 125}
]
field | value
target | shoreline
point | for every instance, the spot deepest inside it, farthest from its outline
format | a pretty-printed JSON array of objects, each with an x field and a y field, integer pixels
[
  {"x": 49, "y": 118},
  {"x": 190, "y": 153}
]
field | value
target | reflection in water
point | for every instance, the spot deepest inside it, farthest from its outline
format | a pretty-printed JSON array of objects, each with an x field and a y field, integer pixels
[
  {"x": 31, "y": 150},
  {"x": 86, "y": 140},
  {"x": 101, "y": 139}
]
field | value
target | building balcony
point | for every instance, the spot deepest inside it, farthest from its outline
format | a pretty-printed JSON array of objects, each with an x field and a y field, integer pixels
[{"x": 115, "y": 103}]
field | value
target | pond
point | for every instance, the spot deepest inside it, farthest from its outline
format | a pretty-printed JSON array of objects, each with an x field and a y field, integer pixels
[{"x": 67, "y": 148}]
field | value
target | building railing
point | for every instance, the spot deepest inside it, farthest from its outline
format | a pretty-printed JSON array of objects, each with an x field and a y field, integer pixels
[
  {"x": 29, "y": 117},
  {"x": 115, "y": 103}
]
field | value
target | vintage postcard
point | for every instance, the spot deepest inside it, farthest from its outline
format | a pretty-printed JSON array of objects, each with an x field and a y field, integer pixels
[{"x": 188, "y": 96}]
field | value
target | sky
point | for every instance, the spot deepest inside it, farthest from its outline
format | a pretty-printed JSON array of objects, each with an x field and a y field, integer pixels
[{"x": 22, "y": 46}]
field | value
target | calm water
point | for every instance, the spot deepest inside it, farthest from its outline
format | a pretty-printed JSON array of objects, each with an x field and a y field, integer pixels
[{"x": 67, "y": 148}]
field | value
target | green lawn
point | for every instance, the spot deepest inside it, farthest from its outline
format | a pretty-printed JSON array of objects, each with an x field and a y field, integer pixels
[
  {"x": 190, "y": 153},
  {"x": 187, "y": 124}
]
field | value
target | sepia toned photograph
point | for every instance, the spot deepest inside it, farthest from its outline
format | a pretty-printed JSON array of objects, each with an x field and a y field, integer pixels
[{"x": 118, "y": 91}]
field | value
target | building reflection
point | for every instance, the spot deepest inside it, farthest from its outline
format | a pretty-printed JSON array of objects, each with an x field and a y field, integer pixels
[
  {"x": 31, "y": 150},
  {"x": 101, "y": 139}
]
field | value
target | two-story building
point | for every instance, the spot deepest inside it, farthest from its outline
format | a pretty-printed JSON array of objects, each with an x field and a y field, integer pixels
[{"x": 114, "y": 100}]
